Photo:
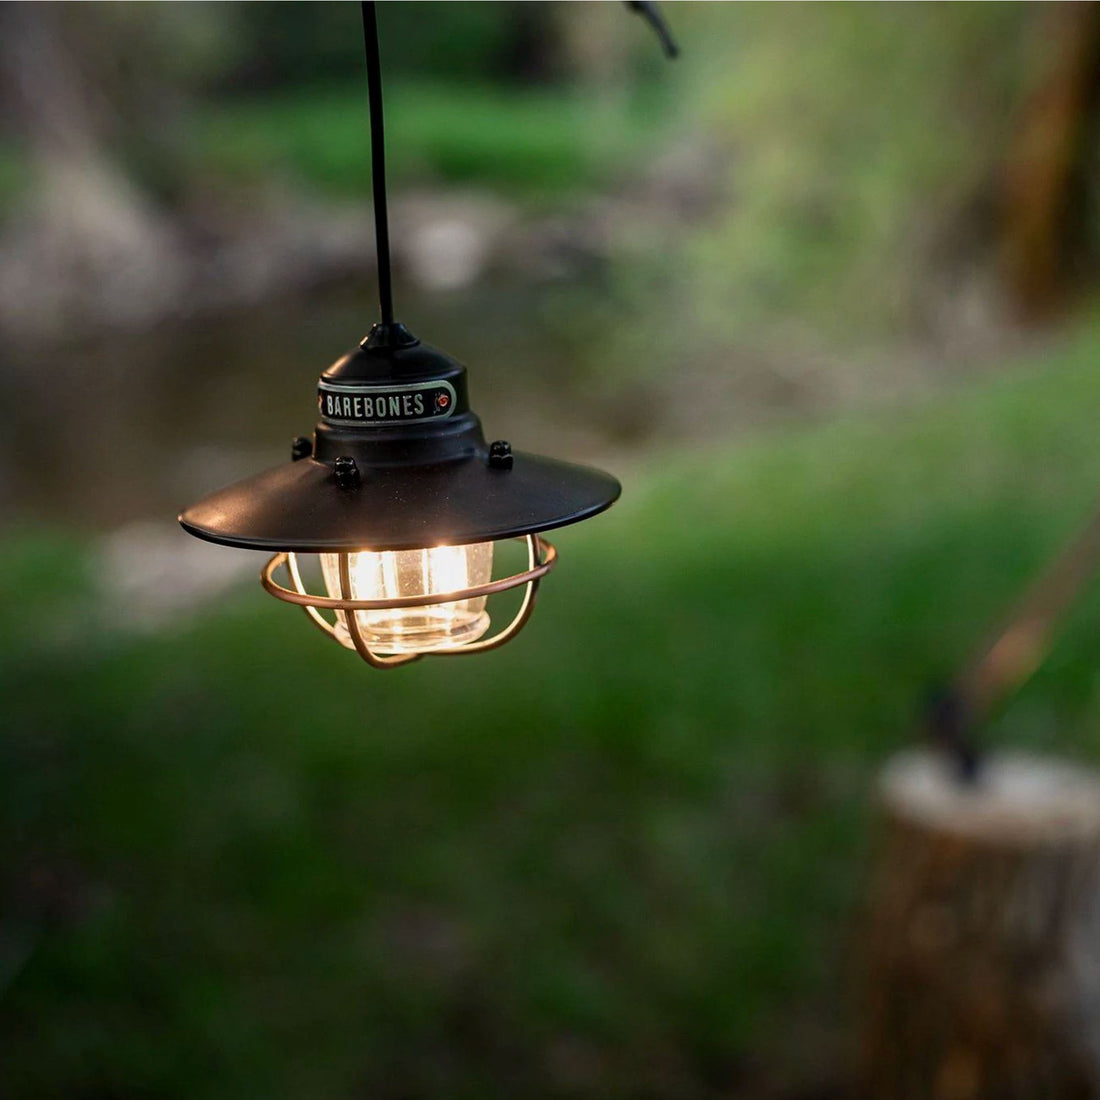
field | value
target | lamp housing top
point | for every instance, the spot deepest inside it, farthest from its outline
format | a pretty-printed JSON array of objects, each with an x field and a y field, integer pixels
[{"x": 398, "y": 461}]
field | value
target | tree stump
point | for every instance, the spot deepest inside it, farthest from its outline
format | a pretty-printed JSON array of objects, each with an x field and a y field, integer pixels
[{"x": 981, "y": 963}]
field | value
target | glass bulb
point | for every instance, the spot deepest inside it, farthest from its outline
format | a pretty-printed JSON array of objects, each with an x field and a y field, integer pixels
[{"x": 387, "y": 574}]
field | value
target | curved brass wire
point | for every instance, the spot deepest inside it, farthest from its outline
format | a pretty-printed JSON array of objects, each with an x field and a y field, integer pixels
[
  {"x": 296, "y": 579},
  {"x": 541, "y": 557},
  {"x": 522, "y": 615},
  {"x": 378, "y": 660},
  {"x": 333, "y": 603}
]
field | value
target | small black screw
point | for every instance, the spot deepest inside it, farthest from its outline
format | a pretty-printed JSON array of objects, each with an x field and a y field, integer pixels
[
  {"x": 347, "y": 473},
  {"x": 500, "y": 455},
  {"x": 300, "y": 447}
]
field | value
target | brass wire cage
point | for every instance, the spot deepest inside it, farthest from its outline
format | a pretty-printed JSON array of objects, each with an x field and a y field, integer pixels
[{"x": 541, "y": 557}]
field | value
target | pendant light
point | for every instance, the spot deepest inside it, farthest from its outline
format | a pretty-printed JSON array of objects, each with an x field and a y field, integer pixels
[{"x": 398, "y": 493}]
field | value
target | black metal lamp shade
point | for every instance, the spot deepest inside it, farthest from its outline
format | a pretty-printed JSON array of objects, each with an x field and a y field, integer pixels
[
  {"x": 300, "y": 507},
  {"x": 399, "y": 464}
]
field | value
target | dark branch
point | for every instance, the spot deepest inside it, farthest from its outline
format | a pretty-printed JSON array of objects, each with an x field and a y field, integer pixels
[{"x": 652, "y": 15}]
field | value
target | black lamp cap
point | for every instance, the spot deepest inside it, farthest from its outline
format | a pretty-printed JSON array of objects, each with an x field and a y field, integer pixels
[
  {"x": 392, "y": 334},
  {"x": 390, "y": 354}
]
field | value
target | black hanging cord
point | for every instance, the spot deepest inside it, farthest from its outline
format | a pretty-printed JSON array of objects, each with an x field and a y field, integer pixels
[
  {"x": 378, "y": 161},
  {"x": 647, "y": 10},
  {"x": 652, "y": 15}
]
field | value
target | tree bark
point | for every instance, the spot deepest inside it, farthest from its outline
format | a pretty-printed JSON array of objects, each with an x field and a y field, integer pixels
[
  {"x": 1044, "y": 158},
  {"x": 981, "y": 966},
  {"x": 89, "y": 244}
]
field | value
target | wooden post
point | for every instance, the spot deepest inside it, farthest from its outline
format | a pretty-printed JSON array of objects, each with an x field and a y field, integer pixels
[
  {"x": 1046, "y": 158},
  {"x": 981, "y": 963}
]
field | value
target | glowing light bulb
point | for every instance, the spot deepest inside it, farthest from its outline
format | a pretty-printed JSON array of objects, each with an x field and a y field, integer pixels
[{"x": 390, "y": 574}]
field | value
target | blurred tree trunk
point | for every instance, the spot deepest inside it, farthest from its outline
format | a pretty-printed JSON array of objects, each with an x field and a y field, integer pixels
[
  {"x": 53, "y": 109},
  {"x": 87, "y": 228},
  {"x": 982, "y": 958},
  {"x": 1043, "y": 163}
]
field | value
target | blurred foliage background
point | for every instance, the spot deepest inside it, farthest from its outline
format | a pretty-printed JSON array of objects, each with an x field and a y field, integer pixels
[{"x": 821, "y": 292}]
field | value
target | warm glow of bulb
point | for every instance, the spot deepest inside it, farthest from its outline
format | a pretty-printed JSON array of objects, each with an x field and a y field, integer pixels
[{"x": 388, "y": 574}]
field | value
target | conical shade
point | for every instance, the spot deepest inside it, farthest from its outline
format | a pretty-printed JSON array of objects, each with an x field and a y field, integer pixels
[{"x": 299, "y": 507}]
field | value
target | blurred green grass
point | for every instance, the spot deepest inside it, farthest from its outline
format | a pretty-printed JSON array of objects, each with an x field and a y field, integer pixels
[
  {"x": 533, "y": 142},
  {"x": 612, "y": 859}
]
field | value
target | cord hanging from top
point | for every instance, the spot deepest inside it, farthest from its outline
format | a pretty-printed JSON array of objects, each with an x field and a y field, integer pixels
[
  {"x": 378, "y": 160},
  {"x": 652, "y": 15},
  {"x": 647, "y": 10}
]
